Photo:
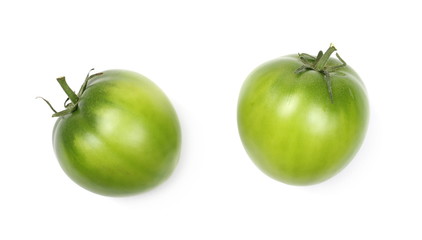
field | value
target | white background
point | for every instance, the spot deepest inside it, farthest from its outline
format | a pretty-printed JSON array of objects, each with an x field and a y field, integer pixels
[{"x": 199, "y": 53}]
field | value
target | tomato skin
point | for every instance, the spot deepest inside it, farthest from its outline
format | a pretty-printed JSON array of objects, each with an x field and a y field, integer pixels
[
  {"x": 291, "y": 129},
  {"x": 123, "y": 138}
]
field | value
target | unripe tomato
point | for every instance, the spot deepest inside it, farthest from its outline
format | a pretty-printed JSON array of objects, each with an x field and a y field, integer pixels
[
  {"x": 119, "y": 136},
  {"x": 302, "y": 118}
]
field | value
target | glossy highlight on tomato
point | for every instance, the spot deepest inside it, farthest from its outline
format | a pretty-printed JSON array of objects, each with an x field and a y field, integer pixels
[
  {"x": 302, "y": 118},
  {"x": 119, "y": 136}
]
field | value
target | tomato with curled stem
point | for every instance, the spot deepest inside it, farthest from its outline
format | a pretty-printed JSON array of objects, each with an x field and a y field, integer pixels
[
  {"x": 119, "y": 135},
  {"x": 302, "y": 118}
]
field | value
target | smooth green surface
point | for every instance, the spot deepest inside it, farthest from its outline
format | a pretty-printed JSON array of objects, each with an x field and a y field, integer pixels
[
  {"x": 124, "y": 137},
  {"x": 291, "y": 129}
]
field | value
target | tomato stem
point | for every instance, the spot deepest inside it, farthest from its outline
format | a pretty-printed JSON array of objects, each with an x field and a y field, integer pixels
[
  {"x": 322, "y": 61},
  {"x": 74, "y": 99},
  {"x": 319, "y": 64},
  {"x": 69, "y": 92}
]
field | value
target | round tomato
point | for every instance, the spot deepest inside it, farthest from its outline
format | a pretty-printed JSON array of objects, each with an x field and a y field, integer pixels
[
  {"x": 120, "y": 135},
  {"x": 302, "y": 118}
]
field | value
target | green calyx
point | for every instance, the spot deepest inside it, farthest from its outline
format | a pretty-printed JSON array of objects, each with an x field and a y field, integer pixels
[
  {"x": 319, "y": 64},
  {"x": 72, "y": 96}
]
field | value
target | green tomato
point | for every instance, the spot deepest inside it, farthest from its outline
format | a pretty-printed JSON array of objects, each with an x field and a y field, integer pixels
[
  {"x": 302, "y": 118},
  {"x": 119, "y": 136}
]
